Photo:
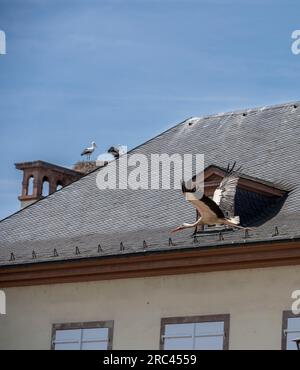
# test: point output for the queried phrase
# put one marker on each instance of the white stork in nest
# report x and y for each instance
(89, 151)
(220, 209)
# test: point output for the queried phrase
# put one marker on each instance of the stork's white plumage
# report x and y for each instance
(219, 210)
(89, 151)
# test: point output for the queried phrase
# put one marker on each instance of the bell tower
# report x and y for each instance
(41, 179)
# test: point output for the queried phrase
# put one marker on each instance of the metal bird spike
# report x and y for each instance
(100, 248)
(55, 254)
(221, 237)
(77, 251)
(33, 255)
(12, 257)
(276, 231)
(171, 244)
(122, 248)
(145, 246)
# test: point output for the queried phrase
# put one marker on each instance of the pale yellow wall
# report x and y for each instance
(255, 300)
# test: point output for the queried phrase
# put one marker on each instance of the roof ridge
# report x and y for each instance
(246, 110)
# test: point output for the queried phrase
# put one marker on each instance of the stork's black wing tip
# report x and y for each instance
(185, 189)
(231, 169)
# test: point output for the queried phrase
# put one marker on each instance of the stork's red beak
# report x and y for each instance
(179, 228)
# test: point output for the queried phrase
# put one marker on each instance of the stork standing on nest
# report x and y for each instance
(89, 151)
(220, 209)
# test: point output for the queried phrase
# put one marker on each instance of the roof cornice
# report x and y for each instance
(171, 262)
(42, 164)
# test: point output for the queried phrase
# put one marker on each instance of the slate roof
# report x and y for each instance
(265, 141)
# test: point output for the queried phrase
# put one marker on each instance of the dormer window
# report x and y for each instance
(256, 200)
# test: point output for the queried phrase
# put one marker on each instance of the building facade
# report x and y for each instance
(91, 269)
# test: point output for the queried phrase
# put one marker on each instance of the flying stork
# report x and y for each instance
(220, 209)
(89, 151)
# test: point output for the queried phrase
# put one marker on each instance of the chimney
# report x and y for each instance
(37, 174)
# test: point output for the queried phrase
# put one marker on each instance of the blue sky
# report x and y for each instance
(121, 71)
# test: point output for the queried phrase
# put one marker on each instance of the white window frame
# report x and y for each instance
(83, 326)
(285, 331)
(196, 320)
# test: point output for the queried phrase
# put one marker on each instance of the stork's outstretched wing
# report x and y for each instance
(204, 205)
(86, 151)
(224, 195)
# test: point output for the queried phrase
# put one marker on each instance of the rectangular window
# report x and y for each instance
(290, 330)
(83, 336)
(195, 333)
